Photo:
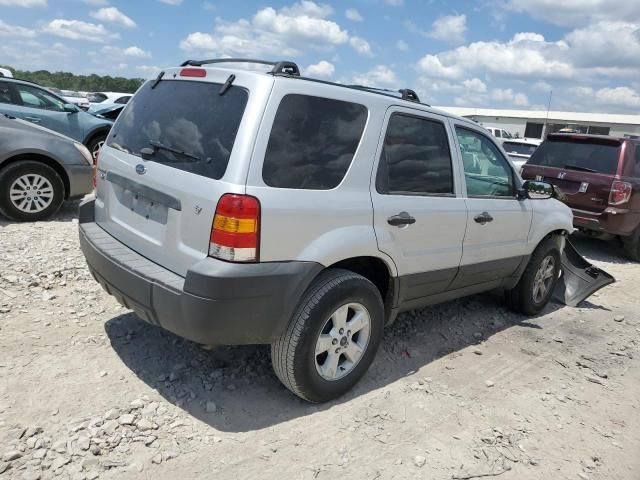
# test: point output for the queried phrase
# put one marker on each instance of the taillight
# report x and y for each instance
(193, 72)
(620, 193)
(94, 173)
(235, 234)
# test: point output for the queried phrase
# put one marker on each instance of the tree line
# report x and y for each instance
(82, 83)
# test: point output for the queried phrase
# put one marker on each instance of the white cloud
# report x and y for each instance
(450, 28)
(113, 15)
(118, 53)
(402, 45)
(78, 30)
(624, 97)
(381, 75)
(24, 3)
(320, 69)
(96, 3)
(606, 44)
(136, 52)
(508, 96)
(288, 31)
(353, 14)
(149, 71)
(394, 3)
(475, 85)
(14, 31)
(576, 12)
(172, 2)
(361, 46)
(525, 55)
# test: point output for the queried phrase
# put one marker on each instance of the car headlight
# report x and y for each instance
(84, 152)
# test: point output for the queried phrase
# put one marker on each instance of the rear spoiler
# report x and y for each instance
(579, 279)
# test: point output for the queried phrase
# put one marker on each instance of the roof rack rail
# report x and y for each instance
(406, 93)
(279, 68)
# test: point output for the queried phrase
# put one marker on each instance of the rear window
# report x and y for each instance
(188, 117)
(578, 155)
(312, 142)
(519, 148)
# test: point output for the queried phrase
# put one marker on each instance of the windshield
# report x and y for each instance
(519, 148)
(186, 124)
(589, 155)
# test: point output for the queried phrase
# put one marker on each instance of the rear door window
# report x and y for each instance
(187, 124)
(312, 143)
(581, 155)
(416, 158)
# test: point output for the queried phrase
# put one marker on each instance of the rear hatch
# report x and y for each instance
(196, 140)
(583, 167)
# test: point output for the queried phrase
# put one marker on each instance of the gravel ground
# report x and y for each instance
(458, 391)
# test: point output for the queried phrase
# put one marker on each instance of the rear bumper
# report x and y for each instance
(79, 180)
(216, 303)
(616, 221)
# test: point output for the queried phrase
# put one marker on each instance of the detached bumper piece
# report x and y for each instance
(579, 278)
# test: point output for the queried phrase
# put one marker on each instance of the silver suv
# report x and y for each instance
(244, 207)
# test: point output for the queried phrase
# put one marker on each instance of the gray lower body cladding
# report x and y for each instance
(216, 303)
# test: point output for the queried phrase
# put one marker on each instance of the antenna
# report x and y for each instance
(546, 120)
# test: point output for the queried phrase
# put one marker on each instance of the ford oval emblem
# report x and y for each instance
(141, 169)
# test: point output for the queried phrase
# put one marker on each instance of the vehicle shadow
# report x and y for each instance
(247, 393)
(608, 251)
(67, 212)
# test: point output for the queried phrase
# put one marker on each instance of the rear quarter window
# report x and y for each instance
(312, 142)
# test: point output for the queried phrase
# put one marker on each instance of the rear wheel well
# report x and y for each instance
(99, 132)
(373, 269)
(36, 157)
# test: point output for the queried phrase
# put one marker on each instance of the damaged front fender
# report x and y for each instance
(579, 279)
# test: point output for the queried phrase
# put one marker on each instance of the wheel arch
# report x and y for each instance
(44, 159)
(101, 130)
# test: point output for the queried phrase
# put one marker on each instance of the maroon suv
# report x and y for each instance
(600, 177)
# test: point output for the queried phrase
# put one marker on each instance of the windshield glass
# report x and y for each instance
(187, 124)
(595, 156)
(519, 148)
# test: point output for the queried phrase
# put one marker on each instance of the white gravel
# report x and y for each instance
(87, 390)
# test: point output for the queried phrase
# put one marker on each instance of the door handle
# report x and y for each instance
(401, 219)
(33, 119)
(483, 218)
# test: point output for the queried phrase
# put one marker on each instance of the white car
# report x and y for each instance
(499, 132)
(100, 100)
(520, 149)
(5, 73)
(76, 98)
(242, 207)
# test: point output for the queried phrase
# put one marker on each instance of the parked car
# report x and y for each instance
(520, 150)
(600, 177)
(111, 111)
(39, 169)
(35, 104)
(238, 207)
(100, 100)
(76, 98)
(499, 132)
(5, 72)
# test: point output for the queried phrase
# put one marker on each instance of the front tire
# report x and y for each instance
(95, 144)
(332, 337)
(30, 191)
(534, 290)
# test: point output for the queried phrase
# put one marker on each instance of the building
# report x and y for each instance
(536, 123)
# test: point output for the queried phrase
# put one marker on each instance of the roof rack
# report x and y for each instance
(279, 68)
(406, 93)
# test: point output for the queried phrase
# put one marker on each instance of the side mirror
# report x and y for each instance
(538, 190)
(70, 108)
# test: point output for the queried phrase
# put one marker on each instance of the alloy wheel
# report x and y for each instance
(31, 193)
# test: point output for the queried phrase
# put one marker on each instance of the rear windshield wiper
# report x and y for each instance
(161, 146)
(580, 169)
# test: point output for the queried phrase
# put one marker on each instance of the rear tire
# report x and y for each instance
(30, 191)
(632, 246)
(332, 337)
(534, 290)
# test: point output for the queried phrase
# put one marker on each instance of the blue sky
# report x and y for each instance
(481, 53)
